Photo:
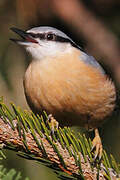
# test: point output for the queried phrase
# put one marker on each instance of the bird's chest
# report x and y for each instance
(56, 84)
(53, 84)
(67, 88)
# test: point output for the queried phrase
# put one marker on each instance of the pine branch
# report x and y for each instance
(29, 134)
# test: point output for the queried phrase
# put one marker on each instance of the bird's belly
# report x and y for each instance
(70, 95)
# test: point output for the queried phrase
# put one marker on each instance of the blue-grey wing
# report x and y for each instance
(91, 61)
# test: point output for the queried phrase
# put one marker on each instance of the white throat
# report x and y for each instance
(48, 49)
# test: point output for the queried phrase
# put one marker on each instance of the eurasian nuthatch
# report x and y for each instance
(65, 81)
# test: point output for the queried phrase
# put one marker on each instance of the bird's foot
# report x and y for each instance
(53, 123)
(97, 145)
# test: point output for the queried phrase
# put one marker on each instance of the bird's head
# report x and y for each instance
(44, 41)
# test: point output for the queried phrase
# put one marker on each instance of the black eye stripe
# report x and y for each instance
(33, 35)
(41, 36)
(38, 35)
(44, 36)
(62, 39)
(65, 40)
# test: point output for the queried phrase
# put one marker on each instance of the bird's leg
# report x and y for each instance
(53, 123)
(97, 145)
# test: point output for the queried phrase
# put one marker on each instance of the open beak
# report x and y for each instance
(26, 38)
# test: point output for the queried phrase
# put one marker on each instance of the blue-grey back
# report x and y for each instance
(91, 61)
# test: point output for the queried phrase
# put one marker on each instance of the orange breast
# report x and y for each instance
(74, 92)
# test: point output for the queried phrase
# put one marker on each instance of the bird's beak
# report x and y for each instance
(26, 37)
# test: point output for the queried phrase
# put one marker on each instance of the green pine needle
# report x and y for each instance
(28, 122)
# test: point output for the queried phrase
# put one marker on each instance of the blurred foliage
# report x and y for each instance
(11, 174)
(13, 61)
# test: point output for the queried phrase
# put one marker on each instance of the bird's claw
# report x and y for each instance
(97, 146)
(53, 123)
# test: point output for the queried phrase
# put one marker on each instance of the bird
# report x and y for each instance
(65, 81)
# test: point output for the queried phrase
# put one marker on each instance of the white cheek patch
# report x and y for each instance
(34, 51)
(47, 49)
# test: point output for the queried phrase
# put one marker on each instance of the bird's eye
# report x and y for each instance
(50, 36)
